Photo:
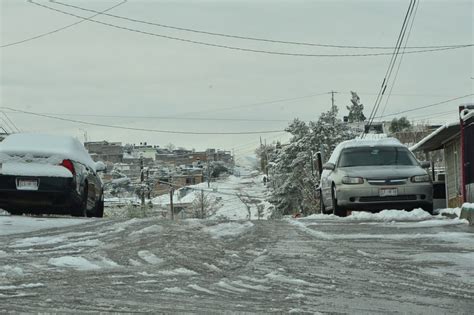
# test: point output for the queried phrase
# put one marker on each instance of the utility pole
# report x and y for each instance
(171, 198)
(202, 203)
(266, 159)
(148, 183)
(142, 179)
(333, 106)
(208, 170)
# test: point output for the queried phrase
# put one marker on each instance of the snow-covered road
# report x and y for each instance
(370, 264)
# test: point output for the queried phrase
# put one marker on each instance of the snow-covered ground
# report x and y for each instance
(370, 263)
(410, 262)
(232, 198)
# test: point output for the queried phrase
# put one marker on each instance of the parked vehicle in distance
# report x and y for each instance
(366, 174)
(46, 174)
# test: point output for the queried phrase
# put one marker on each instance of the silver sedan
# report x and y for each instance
(374, 175)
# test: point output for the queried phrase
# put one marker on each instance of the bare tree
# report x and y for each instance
(203, 206)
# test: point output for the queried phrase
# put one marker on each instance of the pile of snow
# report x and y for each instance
(468, 205)
(78, 263)
(149, 257)
(392, 215)
(383, 216)
(81, 263)
(229, 229)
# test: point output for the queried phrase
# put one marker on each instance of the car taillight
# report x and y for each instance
(69, 165)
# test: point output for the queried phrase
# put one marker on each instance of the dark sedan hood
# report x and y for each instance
(382, 172)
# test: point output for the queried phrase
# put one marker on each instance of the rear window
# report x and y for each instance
(376, 156)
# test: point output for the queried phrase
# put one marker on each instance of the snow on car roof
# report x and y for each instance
(370, 142)
(365, 142)
(47, 145)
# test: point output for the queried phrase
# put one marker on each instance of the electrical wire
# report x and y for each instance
(236, 48)
(61, 28)
(391, 64)
(144, 129)
(425, 106)
(401, 59)
(165, 117)
(249, 37)
(15, 127)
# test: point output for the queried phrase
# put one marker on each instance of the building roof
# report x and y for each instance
(435, 140)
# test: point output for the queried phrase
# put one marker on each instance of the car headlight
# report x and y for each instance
(352, 180)
(420, 179)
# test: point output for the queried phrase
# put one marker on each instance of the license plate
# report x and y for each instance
(27, 184)
(386, 192)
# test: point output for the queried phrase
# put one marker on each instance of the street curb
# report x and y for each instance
(468, 214)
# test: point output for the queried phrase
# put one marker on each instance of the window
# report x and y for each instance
(376, 156)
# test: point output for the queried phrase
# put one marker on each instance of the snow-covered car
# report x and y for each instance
(49, 174)
(372, 175)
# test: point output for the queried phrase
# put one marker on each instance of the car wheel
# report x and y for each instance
(428, 208)
(81, 209)
(336, 210)
(99, 209)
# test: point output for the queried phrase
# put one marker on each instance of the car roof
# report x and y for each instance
(354, 143)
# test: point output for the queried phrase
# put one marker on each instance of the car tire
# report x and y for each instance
(99, 209)
(81, 209)
(337, 210)
(428, 208)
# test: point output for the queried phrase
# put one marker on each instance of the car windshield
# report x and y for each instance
(374, 156)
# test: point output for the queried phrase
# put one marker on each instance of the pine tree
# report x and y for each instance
(356, 110)
(294, 179)
(400, 124)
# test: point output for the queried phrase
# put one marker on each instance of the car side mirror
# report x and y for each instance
(329, 166)
(425, 164)
(100, 166)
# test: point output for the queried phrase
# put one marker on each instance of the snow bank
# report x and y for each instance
(229, 229)
(468, 205)
(391, 215)
(384, 216)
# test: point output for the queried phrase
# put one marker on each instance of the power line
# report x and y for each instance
(61, 28)
(166, 117)
(426, 106)
(270, 52)
(391, 64)
(144, 129)
(179, 28)
(401, 59)
(11, 123)
(282, 100)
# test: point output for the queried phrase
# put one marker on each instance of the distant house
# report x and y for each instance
(105, 151)
(458, 144)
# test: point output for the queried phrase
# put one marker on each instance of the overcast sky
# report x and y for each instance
(92, 69)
